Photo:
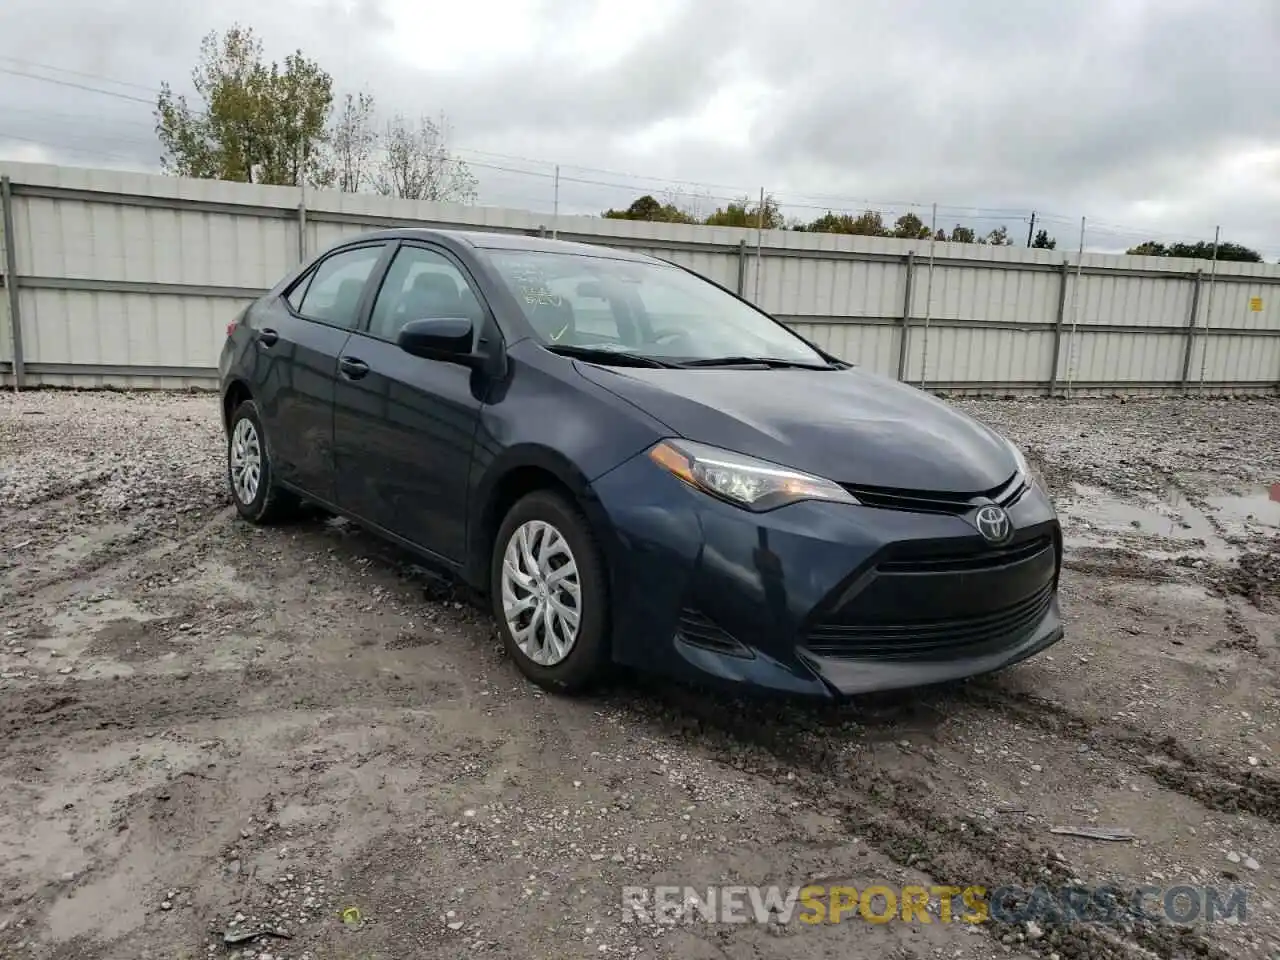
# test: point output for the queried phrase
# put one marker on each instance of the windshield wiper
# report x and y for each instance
(618, 358)
(776, 363)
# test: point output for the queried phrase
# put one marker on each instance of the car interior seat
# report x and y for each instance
(432, 296)
(346, 301)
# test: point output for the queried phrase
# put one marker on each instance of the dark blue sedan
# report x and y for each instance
(638, 467)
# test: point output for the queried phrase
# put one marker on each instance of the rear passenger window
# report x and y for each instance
(333, 295)
(422, 284)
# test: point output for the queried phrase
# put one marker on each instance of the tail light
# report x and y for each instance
(235, 321)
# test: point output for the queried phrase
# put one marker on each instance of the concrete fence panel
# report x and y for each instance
(128, 279)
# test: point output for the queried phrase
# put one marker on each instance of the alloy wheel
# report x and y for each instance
(246, 461)
(541, 592)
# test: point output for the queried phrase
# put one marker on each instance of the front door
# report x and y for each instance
(298, 339)
(404, 426)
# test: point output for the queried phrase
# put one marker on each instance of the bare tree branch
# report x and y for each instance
(353, 142)
(417, 165)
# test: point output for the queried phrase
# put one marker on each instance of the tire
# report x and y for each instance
(544, 516)
(246, 440)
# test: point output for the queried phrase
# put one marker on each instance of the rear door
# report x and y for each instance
(298, 339)
(404, 426)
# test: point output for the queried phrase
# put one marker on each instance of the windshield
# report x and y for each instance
(645, 309)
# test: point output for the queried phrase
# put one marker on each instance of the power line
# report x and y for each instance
(739, 195)
(738, 192)
(78, 86)
(786, 201)
(79, 73)
(80, 136)
(70, 149)
(77, 117)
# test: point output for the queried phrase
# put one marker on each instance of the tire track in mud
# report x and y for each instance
(1211, 783)
(116, 555)
(900, 817)
(159, 701)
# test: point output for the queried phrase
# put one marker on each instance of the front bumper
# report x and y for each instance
(819, 599)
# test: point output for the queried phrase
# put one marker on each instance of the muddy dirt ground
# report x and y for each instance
(209, 728)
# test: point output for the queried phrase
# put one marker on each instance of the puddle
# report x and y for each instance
(1259, 509)
(1094, 517)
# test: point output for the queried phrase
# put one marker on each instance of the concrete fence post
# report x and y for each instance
(302, 232)
(1057, 326)
(742, 266)
(1189, 342)
(11, 279)
(904, 327)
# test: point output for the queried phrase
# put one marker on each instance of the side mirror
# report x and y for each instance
(439, 338)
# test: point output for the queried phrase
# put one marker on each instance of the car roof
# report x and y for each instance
(494, 240)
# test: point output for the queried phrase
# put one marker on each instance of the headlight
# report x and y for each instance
(1024, 467)
(741, 480)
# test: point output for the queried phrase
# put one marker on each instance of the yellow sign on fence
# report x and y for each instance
(1255, 304)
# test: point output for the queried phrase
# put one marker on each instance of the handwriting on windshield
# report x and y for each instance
(540, 296)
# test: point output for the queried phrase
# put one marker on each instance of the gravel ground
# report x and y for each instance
(210, 729)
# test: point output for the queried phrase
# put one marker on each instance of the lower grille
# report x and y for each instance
(930, 639)
(698, 630)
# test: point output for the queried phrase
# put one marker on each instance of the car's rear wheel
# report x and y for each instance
(249, 473)
(549, 593)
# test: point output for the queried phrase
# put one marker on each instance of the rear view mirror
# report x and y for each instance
(439, 338)
(592, 289)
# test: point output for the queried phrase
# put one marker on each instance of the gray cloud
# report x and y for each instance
(1129, 112)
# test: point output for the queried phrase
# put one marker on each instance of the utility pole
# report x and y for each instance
(759, 242)
(1031, 229)
(555, 215)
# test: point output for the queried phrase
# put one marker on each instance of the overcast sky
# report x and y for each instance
(1150, 118)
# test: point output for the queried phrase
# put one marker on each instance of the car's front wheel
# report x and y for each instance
(549, 593)
(249, 474)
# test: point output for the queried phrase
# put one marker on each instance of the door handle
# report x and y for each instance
(352, 368)
(267, 337)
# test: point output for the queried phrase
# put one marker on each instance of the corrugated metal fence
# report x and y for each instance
(125, 279)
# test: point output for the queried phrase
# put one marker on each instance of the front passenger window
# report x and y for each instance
(333, 295)
(422, 284)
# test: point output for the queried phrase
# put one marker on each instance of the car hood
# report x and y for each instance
(850, 426)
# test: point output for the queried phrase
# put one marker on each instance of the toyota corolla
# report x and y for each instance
(638, 468)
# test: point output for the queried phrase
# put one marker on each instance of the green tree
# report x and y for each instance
(1149, 248)
(963, 235)
(256, 122)
(869, 223)
(1202, 250)
(999, 237)
(1043, 241)
(650, 209)
(829, 223)
(742, 214)
(910, 227)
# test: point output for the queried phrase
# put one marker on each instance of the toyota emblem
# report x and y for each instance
(993, 523)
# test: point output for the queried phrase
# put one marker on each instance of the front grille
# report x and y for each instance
(930, 639)
(989, 558)
(924, 501)
(697, 629)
